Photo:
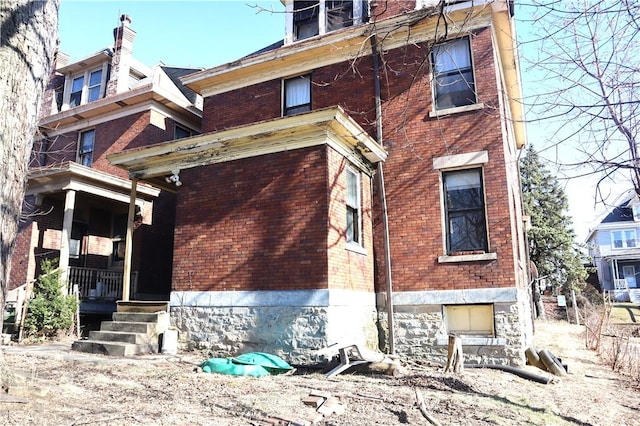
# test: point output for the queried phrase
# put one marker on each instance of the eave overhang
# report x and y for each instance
(76, 177)
(505, 35)
(337, 46)
(354, 42)
(147, 94)
(631, 255)
(330, 126)
(90, 61)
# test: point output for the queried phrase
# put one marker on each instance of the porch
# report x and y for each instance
(99, 289)
(622, 292)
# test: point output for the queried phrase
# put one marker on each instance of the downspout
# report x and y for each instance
(383, 198)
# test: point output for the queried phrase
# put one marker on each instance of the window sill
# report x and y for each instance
(468, 258)
(456, 110)
(475, 341)
(355, 248)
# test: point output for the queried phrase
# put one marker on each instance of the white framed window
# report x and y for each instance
(297, 95)
(308, 18)
(353, 203)
(624, 238)
(75, 97)
(469, 320)
(453, 78)
(87, 86)
(86, 144)
(465, 216)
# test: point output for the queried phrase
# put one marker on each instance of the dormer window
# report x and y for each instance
(316, 17)
(84, 87)
(305, 19)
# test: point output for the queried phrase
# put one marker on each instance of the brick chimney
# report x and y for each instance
(122, 53)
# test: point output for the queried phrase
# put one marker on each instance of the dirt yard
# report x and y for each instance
(68, 388)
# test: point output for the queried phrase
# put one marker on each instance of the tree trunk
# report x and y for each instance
(28, 41)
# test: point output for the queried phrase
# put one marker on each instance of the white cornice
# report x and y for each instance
(112, 107)
(335, 47)
(331, 126)
(74, 176)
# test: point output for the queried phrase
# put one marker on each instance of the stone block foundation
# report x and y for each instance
(291, 324)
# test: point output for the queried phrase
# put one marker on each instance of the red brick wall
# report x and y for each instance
(248, 105)
(413, 186)
(382, 9)
(253, 224)
(413, 140)
(348, 269)
(113, 136)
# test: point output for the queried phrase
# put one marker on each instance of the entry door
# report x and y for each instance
(629, 273)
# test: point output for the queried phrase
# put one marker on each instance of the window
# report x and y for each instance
(85, 147)
(314, 17)
(78, 231)
(465, 211)
(94, 88)
(297, 95)
(469, 320)
(453, 82)
(624, 238)
(75, 98)
(86, 87)
(354, 219)
(339, 14)
(181, 132)
(305, 19)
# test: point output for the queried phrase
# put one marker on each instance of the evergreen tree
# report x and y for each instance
(551, 237)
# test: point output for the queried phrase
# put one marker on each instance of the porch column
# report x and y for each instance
(128, 248)
(67, 224)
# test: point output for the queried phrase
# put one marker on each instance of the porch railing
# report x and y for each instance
(96, 283)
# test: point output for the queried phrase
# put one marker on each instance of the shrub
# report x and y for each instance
(49, 310)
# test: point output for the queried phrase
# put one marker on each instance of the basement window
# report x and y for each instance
(469, 320)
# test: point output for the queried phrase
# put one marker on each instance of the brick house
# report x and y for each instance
(77, 203)
(356, 182)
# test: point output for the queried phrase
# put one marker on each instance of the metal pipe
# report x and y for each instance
(383, 198)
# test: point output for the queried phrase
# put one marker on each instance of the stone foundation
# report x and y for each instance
(420, 329)
(296, 324)
(290, 324)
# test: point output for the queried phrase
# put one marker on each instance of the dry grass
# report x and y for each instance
(162, 390)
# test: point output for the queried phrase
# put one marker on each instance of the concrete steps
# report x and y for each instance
(130, 333)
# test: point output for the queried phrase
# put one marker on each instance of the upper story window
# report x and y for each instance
(453, 79)
(625, 238)
(312, 17)
(85, 87)
(297, 95)
(354, 209)
(85, 147)
(465, 211)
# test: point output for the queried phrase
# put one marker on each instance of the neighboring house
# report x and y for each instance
(77, 203)
(614, 248)
(357, 182)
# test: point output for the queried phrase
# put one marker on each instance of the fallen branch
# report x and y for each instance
(423, 409)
